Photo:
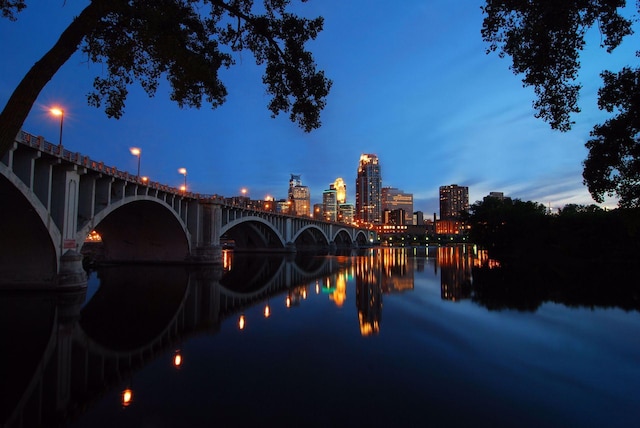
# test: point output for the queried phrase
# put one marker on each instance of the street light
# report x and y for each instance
(58, 112)
(137, 152)
(183, 171)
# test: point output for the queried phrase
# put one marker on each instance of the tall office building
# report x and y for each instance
(368, 190)
(341, 190)
(394, 199)
(453, 200)
(299, 197)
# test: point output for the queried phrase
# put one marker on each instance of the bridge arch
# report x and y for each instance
(259, 233)
(310, 235)
(139, 229)
(29, 231)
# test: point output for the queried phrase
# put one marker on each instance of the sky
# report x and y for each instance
(412, 83)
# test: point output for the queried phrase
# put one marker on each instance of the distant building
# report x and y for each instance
(299, 196)
(418, 218)
(494, 195)
(368, 190)
(454, 199)
(395, 199)
(396, 217)
(318, 211)
(346, 213)
(283, 206)
(330, 204)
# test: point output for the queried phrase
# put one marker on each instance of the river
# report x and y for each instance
(380, 337)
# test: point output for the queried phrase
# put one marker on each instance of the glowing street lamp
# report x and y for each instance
(56, 111)
(183, 171)
(137, 152)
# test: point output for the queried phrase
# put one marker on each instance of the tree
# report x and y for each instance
(184, 41)
(544, 38)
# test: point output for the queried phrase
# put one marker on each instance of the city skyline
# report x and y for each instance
(421, 94)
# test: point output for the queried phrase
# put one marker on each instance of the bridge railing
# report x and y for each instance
(38, 142)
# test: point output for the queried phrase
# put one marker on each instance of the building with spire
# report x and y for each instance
(299, 197)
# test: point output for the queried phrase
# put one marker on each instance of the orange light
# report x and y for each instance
(127, 397)
(135, 151)
(145, 179)
(267, 311)
(182, 171)
(56, 111)
(177, 360)
(241, 322)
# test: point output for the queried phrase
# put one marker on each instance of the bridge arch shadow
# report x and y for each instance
(253, 234)
(33, 256)
(139, 230)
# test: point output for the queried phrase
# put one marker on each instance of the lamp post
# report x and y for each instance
(137, 152)
(183, 171)
(56, 111)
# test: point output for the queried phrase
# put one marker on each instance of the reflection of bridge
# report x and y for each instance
(58, 197)
(65, 357)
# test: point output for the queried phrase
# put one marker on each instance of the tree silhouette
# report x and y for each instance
(187, 42)
(544, 39)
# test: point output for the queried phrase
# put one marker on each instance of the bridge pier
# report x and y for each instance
(71, 273)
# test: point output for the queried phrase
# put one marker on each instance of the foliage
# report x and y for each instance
(544, 38)
(9, 8)
(613, 164)
(186, 42)
(584, 256)
(505, 227)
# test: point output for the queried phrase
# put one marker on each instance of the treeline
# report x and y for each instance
(513, 229)
(582, 256)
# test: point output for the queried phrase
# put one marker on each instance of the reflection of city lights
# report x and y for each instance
(288, 302)
(267, 311)
(241, 322)
(127, 397)
(177, 359)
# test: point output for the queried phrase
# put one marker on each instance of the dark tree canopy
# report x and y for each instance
(186, 42)
(544, 39)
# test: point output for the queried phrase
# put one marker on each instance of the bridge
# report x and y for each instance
(54, 198)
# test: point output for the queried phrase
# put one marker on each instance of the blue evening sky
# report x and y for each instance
(411, 83)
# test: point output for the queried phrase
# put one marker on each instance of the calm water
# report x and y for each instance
(386, 337)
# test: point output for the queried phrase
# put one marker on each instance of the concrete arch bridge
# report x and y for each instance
(53, 198)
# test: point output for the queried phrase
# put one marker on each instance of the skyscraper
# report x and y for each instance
(395, 199)
(453, 200)
(341, 190)
(299, 197)
(368, 188)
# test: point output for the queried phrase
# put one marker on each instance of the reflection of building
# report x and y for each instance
(394, 200)
(339, 295)
(397, 270)
(455, 272)
(368, 190)
(368, 296)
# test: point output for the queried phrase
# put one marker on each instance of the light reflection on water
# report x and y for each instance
(387, 337)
